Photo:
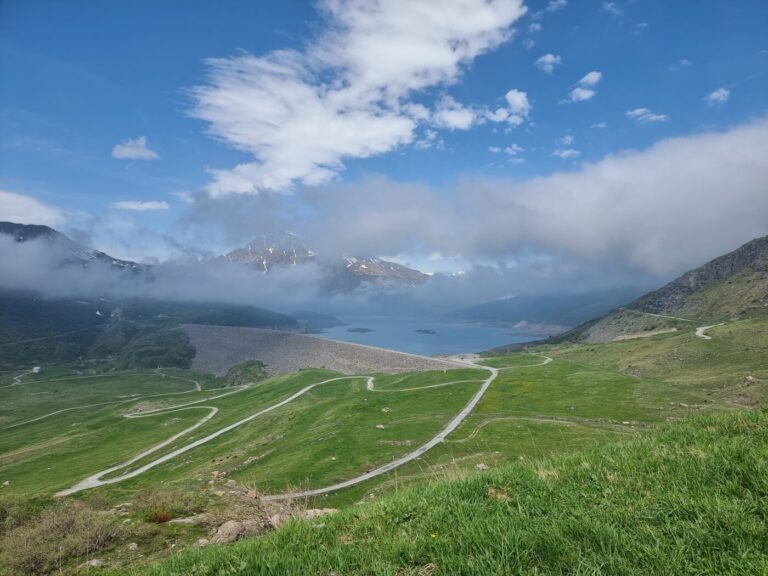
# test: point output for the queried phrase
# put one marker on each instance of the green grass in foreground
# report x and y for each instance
(690, 498)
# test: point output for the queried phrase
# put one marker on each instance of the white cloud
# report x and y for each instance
(301, 114)
(548, 62)
(140, 205)
(529, 43)
(599, 125)
(579, 94)
(517, 110)
(430, 139)
(494, 149)
(555, 5)
(718, 97)
(585, 88)
(535, 27)
(591, 78)
(624, 210)
(23, 209)
(646, 116)
(452, 115)
(567, 153)
(566, 140)
(514, 149)
(134, 149)
(519, 106)
(612, 8)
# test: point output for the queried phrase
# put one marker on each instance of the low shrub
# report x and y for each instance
(65, 533)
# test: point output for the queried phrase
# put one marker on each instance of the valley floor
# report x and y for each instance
(313, 429)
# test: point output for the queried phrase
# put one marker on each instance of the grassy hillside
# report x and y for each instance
(688, 499)
(66, 423)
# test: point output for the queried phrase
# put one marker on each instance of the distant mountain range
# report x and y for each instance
(268, 252)
(69, 251)
(265, 253)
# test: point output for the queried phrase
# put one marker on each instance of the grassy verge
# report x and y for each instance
(689, 498)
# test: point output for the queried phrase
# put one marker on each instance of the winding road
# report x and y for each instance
(97, 479)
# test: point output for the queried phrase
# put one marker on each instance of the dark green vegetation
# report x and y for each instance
(688, 499)
(126, 334)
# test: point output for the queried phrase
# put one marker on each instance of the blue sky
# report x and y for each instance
(107, 107)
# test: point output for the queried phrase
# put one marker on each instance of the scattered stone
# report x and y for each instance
(315, 513)
(133, 546)
(386, 410)
(7, 483)
(333, 457)
(481, 466)
(202, 542)
(231, 482)
(228, 532)
(95, 563)
(190, 520)
(380, 426)
(219, 492)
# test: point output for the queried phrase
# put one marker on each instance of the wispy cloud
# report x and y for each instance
(134, 149)
(718, 97)
(680, 64)
(566, 153)
(612, 8)
(555, 5)
(301, 114)
(140, 205)
(646, 116)
(599, 125)
(24, 209)
(548, 62)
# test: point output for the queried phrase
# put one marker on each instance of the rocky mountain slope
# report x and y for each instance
(67, 251)
(731, 286)
(272, 251)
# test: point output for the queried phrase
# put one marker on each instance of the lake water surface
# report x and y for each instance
(450, 337)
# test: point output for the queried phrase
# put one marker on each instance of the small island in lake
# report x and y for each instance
(360, 330)
(425, 331)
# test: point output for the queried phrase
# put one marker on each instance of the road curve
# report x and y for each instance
(701, 331)
(95, 480)
(452, 425)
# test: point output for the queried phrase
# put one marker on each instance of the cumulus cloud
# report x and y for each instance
(548, 62)
(452, 115)
(301, 114)
(585, 88)
(599, 125)
(535, 27)
(622, 211)
(718, 97)
(140, 205)
(23, 209)
(517, 110)
(134, 149)
(612, 8)
(646, 116)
